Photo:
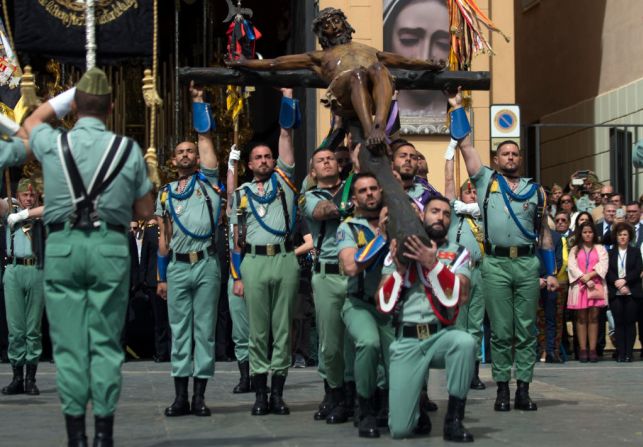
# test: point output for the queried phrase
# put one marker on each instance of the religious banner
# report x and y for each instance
(56, 28)
(419, 29)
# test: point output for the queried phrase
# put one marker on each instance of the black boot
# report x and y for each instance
(337, 413)
(453, 428)
(324, 405)
(424, 423)
(502, 397)
(76, 436)
(17, 384)
(30, 380)
(277, 404)
(261, 406)
(350, 394)
(103, 431)
(523, 401)
(180, 406)
(367, 425)
(244, 385)
(476, 383)
(427, 404)
(199, 408)
(382, 407)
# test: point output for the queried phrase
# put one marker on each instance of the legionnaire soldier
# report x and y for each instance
(23, 286)
(466, 229)
(405, 163)
(360, 245)
(514, 227)
(423, 298)
(268, 278)
(237, 305)
(188, 211)
(93, 179)
(321, 208)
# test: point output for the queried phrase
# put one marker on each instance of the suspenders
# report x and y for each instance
(85, 215)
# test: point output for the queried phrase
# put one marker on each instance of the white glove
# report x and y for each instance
(471, 209)
(234, 157)
(62, 102)
(8, 126)
(18, 217)
(450, 152)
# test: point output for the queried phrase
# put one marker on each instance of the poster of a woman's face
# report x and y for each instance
(419, 29)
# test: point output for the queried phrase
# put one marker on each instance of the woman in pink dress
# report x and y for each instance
(587, 266)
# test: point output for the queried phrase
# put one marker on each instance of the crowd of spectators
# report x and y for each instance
(598, 239)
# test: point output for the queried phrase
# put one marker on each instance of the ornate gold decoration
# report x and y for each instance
(72, 13)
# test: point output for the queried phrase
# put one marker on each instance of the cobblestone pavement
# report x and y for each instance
(579, 405)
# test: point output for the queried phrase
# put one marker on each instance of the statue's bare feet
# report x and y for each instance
(376, 140)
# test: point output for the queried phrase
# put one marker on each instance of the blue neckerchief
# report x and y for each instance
(506, 190)
(184, 195)
(269, 198)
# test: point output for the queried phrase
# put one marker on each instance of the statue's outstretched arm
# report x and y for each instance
(394, 60)
(288, 62)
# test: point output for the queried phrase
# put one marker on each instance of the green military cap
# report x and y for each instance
(26, 184)
(94, 82)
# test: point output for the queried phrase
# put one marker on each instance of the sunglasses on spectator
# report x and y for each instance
(561, 220)
(605, 195)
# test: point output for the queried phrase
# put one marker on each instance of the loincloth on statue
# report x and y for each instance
(330, 98)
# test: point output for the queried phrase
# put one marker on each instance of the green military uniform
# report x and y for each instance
(24, 298)
(270, 271)
(510, 274)
(371, 331)
(468, 232)
(87, 272)
(412, 356)
(193, 274)
(329, 287)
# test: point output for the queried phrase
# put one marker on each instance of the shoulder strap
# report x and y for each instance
(213, 223)
(457, 237)
(241, 220)
(287, 180)
(487, 244)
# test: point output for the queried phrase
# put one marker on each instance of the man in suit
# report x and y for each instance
(143, 248)
(604, 225)
(633, 217)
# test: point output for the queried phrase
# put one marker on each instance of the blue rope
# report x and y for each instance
(185, 195)
(268, 198)
(504, 190)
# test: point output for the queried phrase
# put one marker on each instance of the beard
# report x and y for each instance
(436, 231)
(406, 176)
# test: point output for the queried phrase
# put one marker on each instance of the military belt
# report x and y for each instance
(193, 257)
(270, 249)
(327, 268)
(21, 261)
(509, 252)
(113, 227)
(421, 331)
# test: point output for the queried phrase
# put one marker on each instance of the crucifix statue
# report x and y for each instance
(360, 89)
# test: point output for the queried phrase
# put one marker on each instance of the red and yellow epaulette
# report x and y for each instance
(285, 178)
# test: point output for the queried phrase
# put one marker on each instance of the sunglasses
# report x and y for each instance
(605, 195)
(561, 220)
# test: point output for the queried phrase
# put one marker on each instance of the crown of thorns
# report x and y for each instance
(326, 14)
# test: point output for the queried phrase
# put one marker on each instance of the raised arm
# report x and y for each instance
(449, 179)
(207, 154)
(286, 150)
(289, 62)
(471, 157)
(394, 60)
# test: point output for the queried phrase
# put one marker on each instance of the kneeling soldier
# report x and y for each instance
(423, 297)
